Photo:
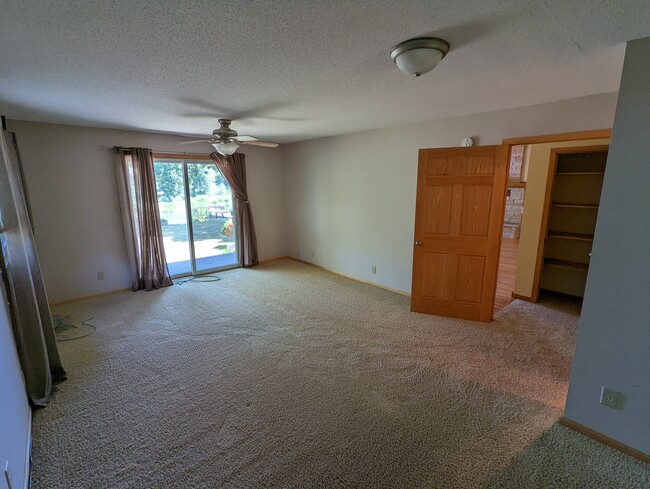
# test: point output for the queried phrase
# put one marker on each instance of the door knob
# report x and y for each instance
(418, 243)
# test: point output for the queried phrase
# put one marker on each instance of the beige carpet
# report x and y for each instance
(288, 376)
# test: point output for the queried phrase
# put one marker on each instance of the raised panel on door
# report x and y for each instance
(475, 211)
(438, 197)
(459, 205)
(479, 165)
(469, 278)
(440, 166)
(434, 264)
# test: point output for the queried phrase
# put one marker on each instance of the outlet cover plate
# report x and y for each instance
(611, 398)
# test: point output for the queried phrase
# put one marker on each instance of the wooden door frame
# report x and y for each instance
(550, 183)
(542, 139)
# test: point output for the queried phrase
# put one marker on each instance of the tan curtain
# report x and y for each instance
(23, 281)
(139, 202)
(233, 169)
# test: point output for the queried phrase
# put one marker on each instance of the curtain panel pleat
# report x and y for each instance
(233, 169)
(142, 228)
(23, 281)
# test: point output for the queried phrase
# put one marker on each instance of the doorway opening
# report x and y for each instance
(571, 208)
(197, 216)
(545, 251)
(514, 209)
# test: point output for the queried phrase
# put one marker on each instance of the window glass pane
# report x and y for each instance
(212, 217)
(173, 216)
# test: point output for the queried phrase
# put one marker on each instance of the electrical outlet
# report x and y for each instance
(373, 270)
(611, 398)
(313, 253)
(100, 275)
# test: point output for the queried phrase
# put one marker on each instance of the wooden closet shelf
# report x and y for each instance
(578, 236)
(572, 265)
(576, 206)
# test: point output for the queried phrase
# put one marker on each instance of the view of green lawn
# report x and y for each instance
(210, 207)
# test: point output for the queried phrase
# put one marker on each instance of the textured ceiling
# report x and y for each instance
(293, 70)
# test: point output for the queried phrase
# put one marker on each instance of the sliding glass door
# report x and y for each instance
(172, 204)
(196, 212)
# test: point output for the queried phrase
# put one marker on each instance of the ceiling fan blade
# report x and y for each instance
(197, 141)
(265, 144)
(211, 115)
(246, 138)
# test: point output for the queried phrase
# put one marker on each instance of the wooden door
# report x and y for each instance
(459, 212)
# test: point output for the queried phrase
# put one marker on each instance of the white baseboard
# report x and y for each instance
(351, 277)
(28, 452)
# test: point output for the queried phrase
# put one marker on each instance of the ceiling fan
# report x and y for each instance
(226, 140)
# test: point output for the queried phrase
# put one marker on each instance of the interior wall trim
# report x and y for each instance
(111, 292)
(271, 260)
(262, 262)
(351, 277)
(522, 297)
(28, 452)
(560, 137)
(610, 442)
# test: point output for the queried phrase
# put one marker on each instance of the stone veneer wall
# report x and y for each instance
(514, 205)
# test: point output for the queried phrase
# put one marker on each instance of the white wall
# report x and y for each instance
(73, 193)
(614, 337)
(351, 199)
(14, 409)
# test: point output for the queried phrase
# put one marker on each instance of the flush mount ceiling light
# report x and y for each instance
(419, 55)
(226, 148)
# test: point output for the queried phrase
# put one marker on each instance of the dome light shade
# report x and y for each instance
(420, 55)
(227, 148)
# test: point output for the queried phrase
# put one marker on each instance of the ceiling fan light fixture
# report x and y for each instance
(226, 148)
(419, 55)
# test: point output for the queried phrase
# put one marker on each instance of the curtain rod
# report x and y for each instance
(185, 153)
(180, 153)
